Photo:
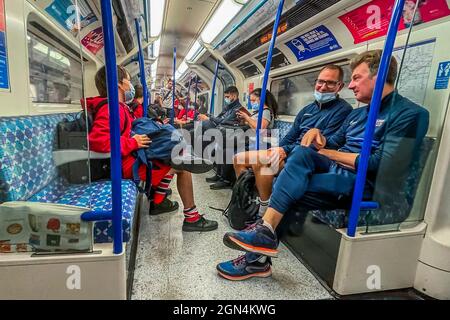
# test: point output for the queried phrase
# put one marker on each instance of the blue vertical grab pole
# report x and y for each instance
(211, 108)
(188, 99)
(142, 67)
(196, 88)
(372, 118)
(173, 85)
(195, 96)
(114, 123)
(267, 70)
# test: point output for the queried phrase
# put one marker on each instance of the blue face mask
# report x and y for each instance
(324, 97)
(227, 101)
(255, 105)
(129, 95)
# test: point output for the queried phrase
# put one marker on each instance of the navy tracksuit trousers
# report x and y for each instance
(311, 180)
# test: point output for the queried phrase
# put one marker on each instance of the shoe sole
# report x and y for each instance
(234, 243)
(187, 229)
(221, 188)
(265, 274)
(177, 206)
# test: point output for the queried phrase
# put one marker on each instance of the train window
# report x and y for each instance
(249, 69)
(224, 75)
(55, 75)
(203, 101)
(295, 92)
(278, 59)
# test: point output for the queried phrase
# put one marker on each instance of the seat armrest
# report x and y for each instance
(61, 157)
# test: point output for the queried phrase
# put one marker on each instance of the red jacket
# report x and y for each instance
(138, 110)
(99, 137)
(182, 114)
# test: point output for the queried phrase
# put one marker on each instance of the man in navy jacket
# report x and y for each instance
(327, 113)
(400, 128)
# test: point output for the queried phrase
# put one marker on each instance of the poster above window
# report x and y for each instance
(4, 72)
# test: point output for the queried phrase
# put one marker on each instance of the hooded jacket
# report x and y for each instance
(99, 136)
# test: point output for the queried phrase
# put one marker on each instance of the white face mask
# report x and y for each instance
(324, 97)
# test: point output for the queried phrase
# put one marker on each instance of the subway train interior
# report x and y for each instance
(332, 186)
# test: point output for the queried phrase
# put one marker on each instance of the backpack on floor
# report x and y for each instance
(243, 207)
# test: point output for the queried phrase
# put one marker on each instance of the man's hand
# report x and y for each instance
(313, 136)
(142, 140)
(202, 117)
(276, 155)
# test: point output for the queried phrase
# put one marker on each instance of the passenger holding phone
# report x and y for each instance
(269, 114)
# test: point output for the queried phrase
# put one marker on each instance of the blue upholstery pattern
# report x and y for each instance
(96, 196)
(28, 172)
(396, 207)
(395, 210)
(283, 128)
(26, 160)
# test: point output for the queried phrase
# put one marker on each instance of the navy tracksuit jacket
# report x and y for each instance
(327, 117)
(400, 129)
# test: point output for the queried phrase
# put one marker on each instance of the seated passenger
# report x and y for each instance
(184, 117)
(99, 139)
(156, 111)
(135, 107)
(225, 171)
(399, 121)
(326, 113)
(228, 116)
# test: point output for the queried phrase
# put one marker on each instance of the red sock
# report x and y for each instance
(160, 190)
(191, 215)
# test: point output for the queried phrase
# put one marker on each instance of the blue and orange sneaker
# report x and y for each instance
(255, 238)
(245, 267)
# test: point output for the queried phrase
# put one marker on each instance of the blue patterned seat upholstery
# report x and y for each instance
(26, 159)
(96, 196)
(28, 172)
(395, 210)
(283, 127)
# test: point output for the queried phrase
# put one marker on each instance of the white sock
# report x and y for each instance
(263, 205)
(268, 226)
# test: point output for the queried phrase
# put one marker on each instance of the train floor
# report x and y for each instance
(172, 264)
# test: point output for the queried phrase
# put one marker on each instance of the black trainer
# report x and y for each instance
(213, 179)
(165, 206)
(221, 184)
(201, 225)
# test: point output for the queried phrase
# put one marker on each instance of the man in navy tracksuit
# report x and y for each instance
(326, 113)
(400, 123)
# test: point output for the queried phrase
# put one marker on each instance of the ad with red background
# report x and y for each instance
(364, 24)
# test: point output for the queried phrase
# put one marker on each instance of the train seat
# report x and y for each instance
(395, 210)
(28, 173)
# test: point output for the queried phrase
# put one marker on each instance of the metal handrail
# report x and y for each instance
(375, 104)
(172, 120)
(211, 108)
(114, 123)
(267, 70)
(142, 67)
(244, 20)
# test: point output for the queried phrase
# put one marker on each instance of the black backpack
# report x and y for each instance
(72, 135)
(243, 207)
